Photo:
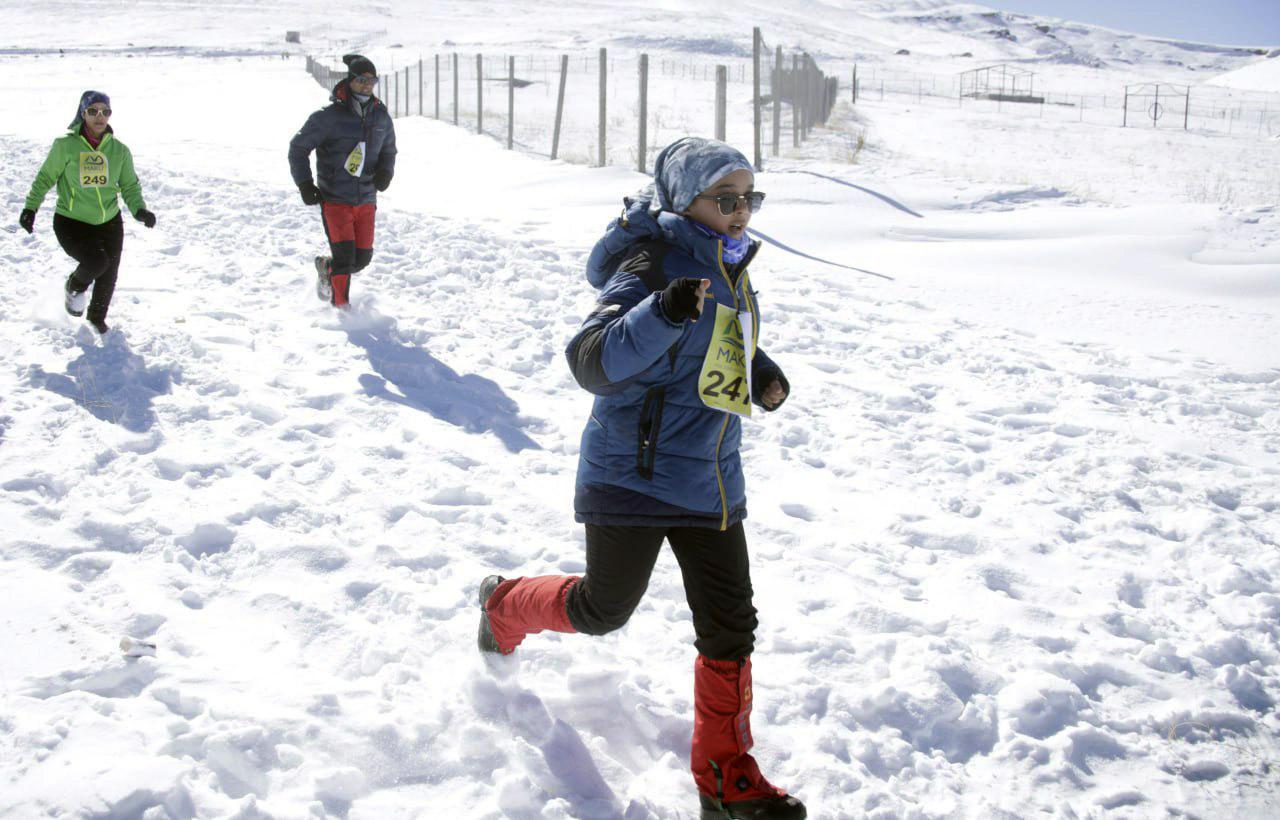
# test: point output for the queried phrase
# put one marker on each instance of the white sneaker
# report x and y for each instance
(76, 301)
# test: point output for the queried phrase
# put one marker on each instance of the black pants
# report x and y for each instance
(717, 583)
(97, 249)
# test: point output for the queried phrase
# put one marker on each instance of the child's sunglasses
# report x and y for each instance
(93, 111)
(728, 203)
(364, 78)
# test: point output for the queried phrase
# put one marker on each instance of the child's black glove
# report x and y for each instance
(310, 193)
(682, 299)
(145, 217)
(382, 179)
(27, 220)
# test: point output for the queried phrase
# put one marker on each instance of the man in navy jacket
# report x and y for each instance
(355, 145)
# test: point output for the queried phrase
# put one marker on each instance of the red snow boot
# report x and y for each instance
(522, 606)
(729, 782)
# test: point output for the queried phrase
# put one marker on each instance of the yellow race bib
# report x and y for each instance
(94, 170)
(355, 160)
(725, 383)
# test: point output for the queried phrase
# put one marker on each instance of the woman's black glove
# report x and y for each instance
(145, 217)
(382, 179)
(310, 193)
(682, 299)
(27, 220)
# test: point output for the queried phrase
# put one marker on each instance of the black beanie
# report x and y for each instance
(358, 64)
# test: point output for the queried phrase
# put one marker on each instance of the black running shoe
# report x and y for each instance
(764, 808)
(324, 288)
(485, 639)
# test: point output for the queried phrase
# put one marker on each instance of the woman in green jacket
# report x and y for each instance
(90, 167)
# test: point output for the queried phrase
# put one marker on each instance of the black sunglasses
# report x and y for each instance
(93, 112)
(728, 203)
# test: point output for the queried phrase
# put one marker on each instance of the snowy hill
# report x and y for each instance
(1014, 537)
(1260, 75)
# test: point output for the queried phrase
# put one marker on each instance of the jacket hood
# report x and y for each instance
(642, 220)
(341, 94)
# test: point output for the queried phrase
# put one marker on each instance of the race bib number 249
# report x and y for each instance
(94, 171)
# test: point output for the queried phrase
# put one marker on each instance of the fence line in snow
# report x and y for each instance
(624, 108)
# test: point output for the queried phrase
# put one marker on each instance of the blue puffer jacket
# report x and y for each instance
(333, 132)
(652, 453)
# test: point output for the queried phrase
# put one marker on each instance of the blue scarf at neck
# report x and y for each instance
(735, 250)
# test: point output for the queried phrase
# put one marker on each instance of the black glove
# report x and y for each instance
(145, 217)
(760, 382)
(27, 220)
(382, 179)
(310, 193)
(680, 300)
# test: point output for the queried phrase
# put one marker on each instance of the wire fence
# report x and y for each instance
(1200, 108)
(597, 109)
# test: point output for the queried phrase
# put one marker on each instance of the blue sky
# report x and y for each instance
(1226, 22)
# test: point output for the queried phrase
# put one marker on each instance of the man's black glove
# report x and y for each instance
(680, 300)
(27, 220)
(145, 217)
(382, 179)
(310, 193)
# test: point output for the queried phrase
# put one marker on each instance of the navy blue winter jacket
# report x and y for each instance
(652, 453)
(333, 132)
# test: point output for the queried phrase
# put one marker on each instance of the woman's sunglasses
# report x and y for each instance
(95, 112)
(728, 203)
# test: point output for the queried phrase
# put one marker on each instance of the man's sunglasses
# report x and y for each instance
(728, 203)
(94, 112)
(360, 78)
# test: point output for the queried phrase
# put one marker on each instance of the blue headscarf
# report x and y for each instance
(87, 99)
(689, 166)
(683, 169)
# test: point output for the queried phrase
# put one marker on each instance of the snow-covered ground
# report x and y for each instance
(1016, 536)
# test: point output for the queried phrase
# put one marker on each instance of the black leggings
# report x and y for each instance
(97, 249)
(717, 583)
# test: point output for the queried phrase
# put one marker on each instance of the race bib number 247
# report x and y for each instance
(725, 382)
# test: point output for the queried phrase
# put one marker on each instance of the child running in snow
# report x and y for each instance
(670, 353)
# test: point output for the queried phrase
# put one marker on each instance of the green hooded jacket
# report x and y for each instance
(88, 180)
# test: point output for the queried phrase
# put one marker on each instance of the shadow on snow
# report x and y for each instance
(111, 382)
(472, 402)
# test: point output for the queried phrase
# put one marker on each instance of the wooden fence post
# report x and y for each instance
(644, 113)
(797, 101)
(604, 109)
(757, 40)
(776, 88)
(421, 102)
(722, 99)
(455, 88)
(437, 86)
(564, 73)
(511, 102)
(479, 93)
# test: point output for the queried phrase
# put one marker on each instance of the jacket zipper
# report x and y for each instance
(101, 206)
(724, 503)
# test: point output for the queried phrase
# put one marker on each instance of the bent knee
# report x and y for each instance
(363, 257)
